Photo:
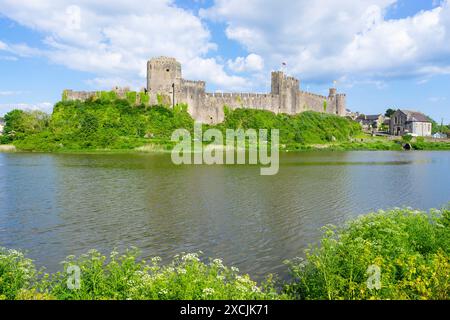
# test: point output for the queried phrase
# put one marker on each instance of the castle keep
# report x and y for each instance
(165, 84)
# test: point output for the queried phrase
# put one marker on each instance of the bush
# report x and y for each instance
(186, 278)
(16, 273)
(305, 128)
(104, 123)
(411, 248)
(125, 277)
(407, 138)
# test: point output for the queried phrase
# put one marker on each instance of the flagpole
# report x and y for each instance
(284, 67)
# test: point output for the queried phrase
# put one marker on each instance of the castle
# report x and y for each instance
(165, 84)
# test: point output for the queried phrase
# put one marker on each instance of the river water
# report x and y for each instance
(54, 205)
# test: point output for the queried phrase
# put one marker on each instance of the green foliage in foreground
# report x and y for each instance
(123, 277)
(410, 248)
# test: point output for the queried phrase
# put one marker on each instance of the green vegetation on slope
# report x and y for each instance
(102, 124)
(106, 123)
(304, 128)
(410, 248)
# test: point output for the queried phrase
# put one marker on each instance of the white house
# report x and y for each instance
(410, 122)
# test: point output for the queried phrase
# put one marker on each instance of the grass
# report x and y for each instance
(411, 250)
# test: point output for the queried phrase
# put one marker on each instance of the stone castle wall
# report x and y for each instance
(165, 83)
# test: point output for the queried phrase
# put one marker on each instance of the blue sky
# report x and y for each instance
(382, 53)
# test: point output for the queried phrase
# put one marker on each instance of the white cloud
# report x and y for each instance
(10, 93)
(8, 58)
(251, 63)
(114, 40)
(326, 40)
(42, 106)
(211, 71)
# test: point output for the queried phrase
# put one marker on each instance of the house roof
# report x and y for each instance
(368, 117)
(415, 116)
(373, 117)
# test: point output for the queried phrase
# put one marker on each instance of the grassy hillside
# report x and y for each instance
(103, 123)
(304, 128)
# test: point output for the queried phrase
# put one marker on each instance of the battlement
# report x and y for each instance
(165, 83)
(313, 95)
(193, 83)
(163, 60)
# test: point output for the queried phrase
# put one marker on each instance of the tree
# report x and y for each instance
(19, 123)
(407, 138)
(389, 112)
(435, 127)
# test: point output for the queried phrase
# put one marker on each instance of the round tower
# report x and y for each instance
(341, 104)
(162, 74)
(332, 92)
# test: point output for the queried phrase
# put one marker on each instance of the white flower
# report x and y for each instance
(156, 260)
(190, 257)
(241, 288)
(255, 289)
(163, 292)
(208, 291)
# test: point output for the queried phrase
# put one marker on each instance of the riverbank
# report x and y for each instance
(410, 249)
(105, 125)
(7, 148)
(362, 144)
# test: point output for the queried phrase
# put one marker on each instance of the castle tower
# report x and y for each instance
(162, 74)
(332, 93)
(286, 88)
(341, 104)
(277, 80)
(338, 102)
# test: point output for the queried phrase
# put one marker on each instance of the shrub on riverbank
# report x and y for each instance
(305, 128)
(105, 124)
(411, 250)
(125, 277)
(16, 273)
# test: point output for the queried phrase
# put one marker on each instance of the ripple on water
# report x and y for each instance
(56, 205)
